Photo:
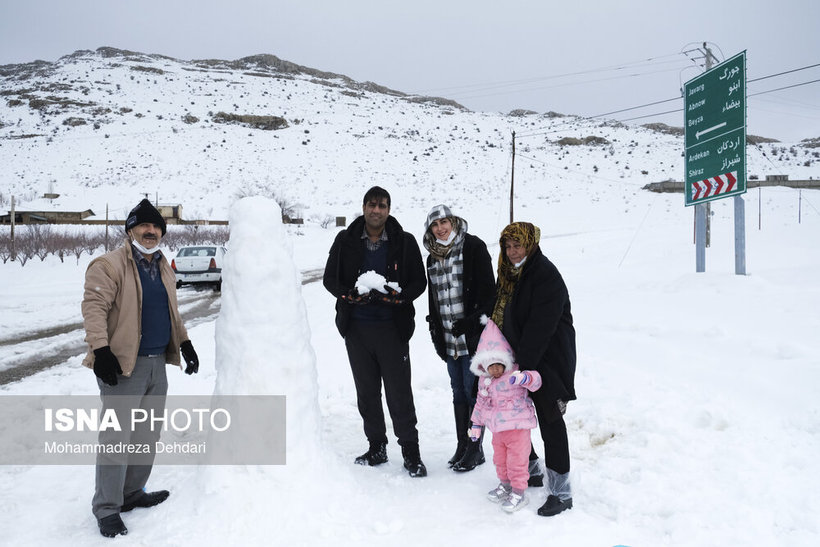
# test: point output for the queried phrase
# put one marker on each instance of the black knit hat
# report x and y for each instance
(144, 212)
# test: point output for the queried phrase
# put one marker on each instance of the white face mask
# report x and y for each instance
(520, 263)
(142, 249)
(449, 239)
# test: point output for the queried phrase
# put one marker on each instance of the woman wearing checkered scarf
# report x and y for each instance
(461, 289)
(532, 308)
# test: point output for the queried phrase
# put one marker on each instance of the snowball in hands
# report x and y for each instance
(371, 280)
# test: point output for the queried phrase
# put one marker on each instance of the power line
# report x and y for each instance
(782, 88)
(651, 115)
(634, 107)
(782, 73)
(490, 85)
(538, 132)
(747, 96)
(676, 98)
(565, 84)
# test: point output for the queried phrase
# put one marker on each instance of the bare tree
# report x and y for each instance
(40, 235)
(96, 239)
(220, 235)
(76, 244)
(173, 239)
(57, 244)
(26, 246)
(5, 246)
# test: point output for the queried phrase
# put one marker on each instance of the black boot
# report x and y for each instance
(147, 499)
(554, 505)
(560, 494)
(412, 460)
(461, 412)
(473, 457)
(112, 526)
(376, 455)
(536, 471)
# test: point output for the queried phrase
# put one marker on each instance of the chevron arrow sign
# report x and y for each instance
(714, 187)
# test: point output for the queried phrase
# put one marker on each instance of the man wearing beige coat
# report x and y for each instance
(133, 329)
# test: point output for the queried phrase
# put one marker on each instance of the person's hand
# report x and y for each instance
(353, 297)
(391, 297)
(106, 365)
(521, 378)
(190, 356)
(437, 338)
(459, 327)
(474, 433)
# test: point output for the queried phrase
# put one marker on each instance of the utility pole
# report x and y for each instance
(106, 227)
(703, 211)
(512, 177)
(709, 57)
(800, 206)
(13, 250)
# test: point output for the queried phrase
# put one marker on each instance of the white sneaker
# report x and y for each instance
(514, 502)
(499, 493)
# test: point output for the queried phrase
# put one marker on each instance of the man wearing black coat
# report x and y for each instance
(377, 323)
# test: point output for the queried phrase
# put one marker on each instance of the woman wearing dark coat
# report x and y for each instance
(461, 290)
(533, 310)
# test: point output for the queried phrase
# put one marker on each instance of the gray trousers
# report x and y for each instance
(121, 476)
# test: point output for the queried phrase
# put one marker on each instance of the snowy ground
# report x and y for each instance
(697, 421)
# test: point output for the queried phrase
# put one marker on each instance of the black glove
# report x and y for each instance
(106, 365)
(460, 327)
(437, 338)
(392, 297)
(353, 297)
(190, 356)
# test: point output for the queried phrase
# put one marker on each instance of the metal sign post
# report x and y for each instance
(715, 143)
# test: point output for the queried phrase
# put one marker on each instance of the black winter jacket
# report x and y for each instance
(538, 326)
(479, 295)
(404, 265)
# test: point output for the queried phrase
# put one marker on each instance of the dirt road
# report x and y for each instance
(27, 354)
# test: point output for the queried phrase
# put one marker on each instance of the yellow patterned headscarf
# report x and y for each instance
(528, 235)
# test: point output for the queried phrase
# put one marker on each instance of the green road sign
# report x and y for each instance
(715, 129)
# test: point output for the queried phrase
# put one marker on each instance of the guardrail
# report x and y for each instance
(677, 186)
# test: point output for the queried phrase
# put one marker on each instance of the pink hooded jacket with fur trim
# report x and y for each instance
(501, 406)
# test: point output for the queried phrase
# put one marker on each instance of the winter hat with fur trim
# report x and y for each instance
(492, 348)
(144, 212)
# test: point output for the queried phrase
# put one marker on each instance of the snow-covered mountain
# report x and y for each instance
(103, 127)
(697, 421)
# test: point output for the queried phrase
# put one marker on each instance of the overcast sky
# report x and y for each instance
(488, 55)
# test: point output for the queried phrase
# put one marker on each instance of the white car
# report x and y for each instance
(199, 264)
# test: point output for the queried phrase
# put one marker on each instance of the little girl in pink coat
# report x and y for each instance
(504, 407)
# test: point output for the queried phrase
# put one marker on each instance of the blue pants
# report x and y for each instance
(462, 380)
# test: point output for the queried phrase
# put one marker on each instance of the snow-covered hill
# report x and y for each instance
(697, 421)
(103, 127)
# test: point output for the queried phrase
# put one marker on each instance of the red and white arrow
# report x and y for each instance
(707, 188)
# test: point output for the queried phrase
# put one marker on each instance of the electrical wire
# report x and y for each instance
(618, 66)
(565, 84)
(538, 132)
(747, 96)
(782, 73)
(782, 88)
